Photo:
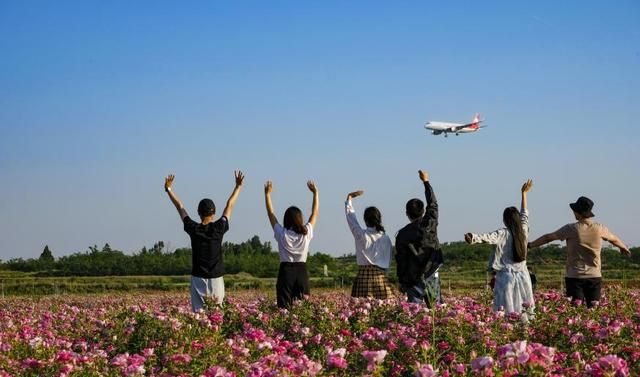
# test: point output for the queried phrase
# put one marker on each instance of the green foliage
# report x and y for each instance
(463, 263)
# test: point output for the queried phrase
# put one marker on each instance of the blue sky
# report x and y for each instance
(100, 100)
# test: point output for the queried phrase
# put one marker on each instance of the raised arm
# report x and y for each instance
(316, 203)
(228, 210)
(525, 189)
(350, 212)
(430, 197)
(168, 188)
(268, 187)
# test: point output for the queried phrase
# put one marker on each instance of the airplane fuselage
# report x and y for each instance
(446, 128)
(438, 128)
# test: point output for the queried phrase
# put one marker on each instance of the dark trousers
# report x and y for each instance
(586, 290)
(293, 283)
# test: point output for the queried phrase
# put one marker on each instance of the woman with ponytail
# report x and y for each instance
(293, 238)
(512, 291)
(373, 252)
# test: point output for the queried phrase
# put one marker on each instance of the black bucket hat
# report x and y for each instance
(583, 207)
(206, 207)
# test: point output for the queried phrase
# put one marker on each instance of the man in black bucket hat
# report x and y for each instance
(584, 244)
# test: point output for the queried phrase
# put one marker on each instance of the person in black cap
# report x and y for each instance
(584, 244)
(206, 243)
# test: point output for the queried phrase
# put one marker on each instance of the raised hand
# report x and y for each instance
(268, 187)
(239, 177)
(355, 194)
(312, 186)
(168, 182)
(526, 187)
(468, 237)
(424, 175)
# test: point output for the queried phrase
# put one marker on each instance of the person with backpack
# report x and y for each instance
(373, 252)
(584, 245)
(418, 252)
(512, 291)
(293, 238)
(207, 267)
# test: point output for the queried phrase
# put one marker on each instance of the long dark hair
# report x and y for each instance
(511, 218)
(293, 220)
(373, 218)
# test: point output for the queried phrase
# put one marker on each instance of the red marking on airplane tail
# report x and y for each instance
(476, 121)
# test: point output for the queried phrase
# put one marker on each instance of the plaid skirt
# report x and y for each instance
(371, 281)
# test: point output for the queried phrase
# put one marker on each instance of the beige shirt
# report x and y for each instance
(584, 243)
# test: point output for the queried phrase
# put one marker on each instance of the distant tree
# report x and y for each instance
(46, 256)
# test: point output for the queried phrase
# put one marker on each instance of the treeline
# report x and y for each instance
(260, 260)
(252, 256)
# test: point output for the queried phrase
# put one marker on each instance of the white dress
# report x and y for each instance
(512, 291)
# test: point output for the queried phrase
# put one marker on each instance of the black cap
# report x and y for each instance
(206, 207)
(583, 207)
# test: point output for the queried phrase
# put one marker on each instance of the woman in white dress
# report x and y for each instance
(512, 291)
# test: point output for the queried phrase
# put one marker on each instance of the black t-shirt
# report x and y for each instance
(206, 247)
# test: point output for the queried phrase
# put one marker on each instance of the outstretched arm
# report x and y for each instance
(490, 238)
(268, 187)
(617, 242)
(549, 237)
(228, 210)
(168, 188)
(316, 203)
(352, 220)
(429, 195)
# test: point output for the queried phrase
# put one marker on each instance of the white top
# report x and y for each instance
(502, 258)
(372, 247)
(292, 247)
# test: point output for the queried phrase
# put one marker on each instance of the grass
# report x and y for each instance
(19, 283)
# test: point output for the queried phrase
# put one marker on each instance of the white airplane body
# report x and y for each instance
(438, 128)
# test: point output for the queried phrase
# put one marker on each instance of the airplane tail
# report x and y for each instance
(475, 123)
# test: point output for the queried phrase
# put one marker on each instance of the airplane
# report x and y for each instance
(437, 128)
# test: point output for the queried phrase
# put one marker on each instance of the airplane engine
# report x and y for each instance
(435, 132)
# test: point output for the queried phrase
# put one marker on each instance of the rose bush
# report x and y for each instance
(330, 334)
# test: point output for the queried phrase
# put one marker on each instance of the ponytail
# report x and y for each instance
(511, 218)
(373, 219)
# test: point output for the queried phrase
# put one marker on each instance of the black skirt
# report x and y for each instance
(293, 283)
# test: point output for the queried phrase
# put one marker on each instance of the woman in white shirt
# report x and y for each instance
(373, 252)
(293, 238)
(512, 291)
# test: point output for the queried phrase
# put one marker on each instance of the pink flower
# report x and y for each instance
(181, 358)
(335, 359)
(218, 372)
(425, 371)
(483, 363)
(64, 356)
(373, 358)
(613, 363)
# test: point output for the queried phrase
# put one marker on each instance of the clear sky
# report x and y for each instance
(99, 100)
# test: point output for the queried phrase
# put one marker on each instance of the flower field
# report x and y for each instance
(330, 334)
